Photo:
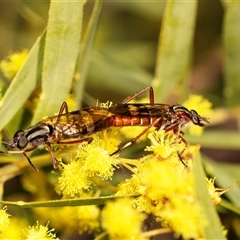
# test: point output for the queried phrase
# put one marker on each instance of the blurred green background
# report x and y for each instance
(125, 57)
(127, 39)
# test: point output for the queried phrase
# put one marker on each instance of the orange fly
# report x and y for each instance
(77, 126)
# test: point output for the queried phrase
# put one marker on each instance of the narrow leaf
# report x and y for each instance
(213, 229)
(216, 139)
(174, 50)
(60, 55)
(84, 58)
(232, 52)
(23, 83)
(64, 202)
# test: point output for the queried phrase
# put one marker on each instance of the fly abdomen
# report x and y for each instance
(121, 121)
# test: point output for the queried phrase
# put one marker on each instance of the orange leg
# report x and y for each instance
(54, 160)
(132, 141)
(151, 95)
(63, 108)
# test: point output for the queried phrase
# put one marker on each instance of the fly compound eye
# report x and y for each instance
(196, 119)
(22, 142)
(18, 134)
(20, 139)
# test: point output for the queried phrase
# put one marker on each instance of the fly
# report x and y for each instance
(64, 128)
(161, 116)
(77, 126)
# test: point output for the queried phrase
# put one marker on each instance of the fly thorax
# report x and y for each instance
(38, 134)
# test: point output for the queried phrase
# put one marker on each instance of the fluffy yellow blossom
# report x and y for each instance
(14, 62)
(166, 187)
(37, 184)
(40, 232)
(165, 144)
(129, 186)
(95, 160)
(73, 181)
(132, 132)
(202, 106)
(121, 220)
(88, 218)
(110, 138)
(79, 219)
(174, 211)
(15, 229)
(57, 216)
(4, 219)
(167, 191)
(214, 192)
(91, 160)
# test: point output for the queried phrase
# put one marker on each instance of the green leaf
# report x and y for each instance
(224, 203)
(64, 202)
(175, 47)
(216, 139)
(23, 83)
(232, 52)
(60, 55)
(83, 63)
(213, 230)
(125, 73)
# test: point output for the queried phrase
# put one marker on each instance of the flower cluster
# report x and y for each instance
(160, 184)
(15, 229)
(4, 219)
(92, 160)
(40, 232)
(166, 187)
(121, 220)
(72, 219)
(11, 66)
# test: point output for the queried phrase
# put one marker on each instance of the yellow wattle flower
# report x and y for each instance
(13, 63)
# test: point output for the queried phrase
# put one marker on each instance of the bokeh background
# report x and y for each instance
(123, 61)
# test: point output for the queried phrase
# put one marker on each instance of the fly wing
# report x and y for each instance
(139, 109)
(77, 124)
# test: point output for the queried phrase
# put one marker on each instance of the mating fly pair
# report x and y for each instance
(77, 126)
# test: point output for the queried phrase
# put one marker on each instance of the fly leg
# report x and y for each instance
(54, 159)
(151, 95)
(180, 153)
(63, 108)
(24, 154)
(176, 130)
(132, 141)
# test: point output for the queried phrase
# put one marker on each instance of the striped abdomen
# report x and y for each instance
(121, 121)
